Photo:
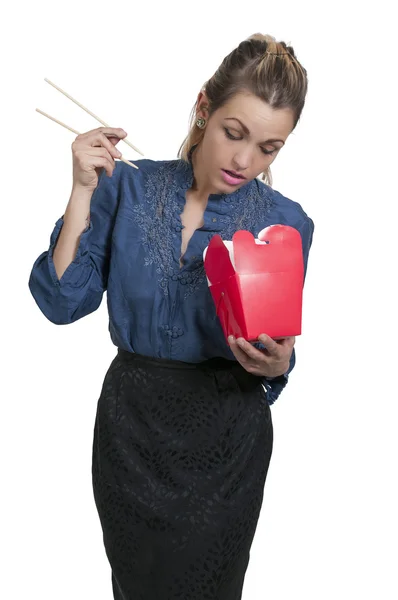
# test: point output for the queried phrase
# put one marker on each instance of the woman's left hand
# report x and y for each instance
(271, 362)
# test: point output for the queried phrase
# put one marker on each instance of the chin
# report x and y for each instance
(222, 187)
(230, 189)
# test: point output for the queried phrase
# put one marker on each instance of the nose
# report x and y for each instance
(242, 159)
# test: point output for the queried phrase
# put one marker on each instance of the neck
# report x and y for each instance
(201, 186)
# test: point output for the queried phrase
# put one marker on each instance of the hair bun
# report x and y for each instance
(260, 37)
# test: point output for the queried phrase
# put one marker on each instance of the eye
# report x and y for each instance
(230, 136)
(268, 152)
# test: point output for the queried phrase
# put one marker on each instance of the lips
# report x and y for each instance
(234, 174)
(232, 178)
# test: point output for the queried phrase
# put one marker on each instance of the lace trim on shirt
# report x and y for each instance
(160, 214)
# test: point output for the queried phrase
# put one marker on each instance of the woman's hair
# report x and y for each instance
(259, 65)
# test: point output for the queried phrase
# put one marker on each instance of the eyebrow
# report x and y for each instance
(245, 129)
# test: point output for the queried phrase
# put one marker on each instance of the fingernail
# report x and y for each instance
(118, 153)
(240, 342)
(231, 339)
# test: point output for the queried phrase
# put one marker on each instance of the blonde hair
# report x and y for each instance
(266, 68)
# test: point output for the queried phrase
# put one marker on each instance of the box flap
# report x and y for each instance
(282, 252)
(217, 262)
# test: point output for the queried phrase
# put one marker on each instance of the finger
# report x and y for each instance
(286, 342)
(252, 352)
(100, 162)
(270, 345)
(108, 131)
(114, 140)
(102, 140)
(102, 152)
(103, 136)
(99, 141)
(286, 338)
(240, 355)
(105, 163)
(110, 160)
(97, 157)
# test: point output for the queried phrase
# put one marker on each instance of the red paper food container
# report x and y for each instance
(257, 285)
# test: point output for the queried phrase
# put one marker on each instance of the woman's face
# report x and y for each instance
(243, 137)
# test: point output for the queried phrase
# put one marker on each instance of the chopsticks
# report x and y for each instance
(90, 113)
(78, 133)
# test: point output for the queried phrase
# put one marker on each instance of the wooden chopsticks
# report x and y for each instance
(90, 113)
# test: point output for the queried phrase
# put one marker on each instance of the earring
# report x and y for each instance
(201, 122)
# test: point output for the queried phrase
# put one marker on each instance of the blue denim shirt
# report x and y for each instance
(132, 250)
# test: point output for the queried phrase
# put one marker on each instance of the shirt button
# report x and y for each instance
(183, 281)
(178, 228)
(180, 331)
(174, 277)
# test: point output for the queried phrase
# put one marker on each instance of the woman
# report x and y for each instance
(183, 433)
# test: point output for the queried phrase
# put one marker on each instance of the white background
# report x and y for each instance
(328, 526)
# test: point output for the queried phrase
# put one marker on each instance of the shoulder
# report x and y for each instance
(285, 210)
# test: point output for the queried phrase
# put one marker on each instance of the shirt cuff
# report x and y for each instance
(274, 386)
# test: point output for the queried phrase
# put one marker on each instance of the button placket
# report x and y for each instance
(175, 332)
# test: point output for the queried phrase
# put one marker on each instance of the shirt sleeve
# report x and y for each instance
(80, 290)
(275, 385)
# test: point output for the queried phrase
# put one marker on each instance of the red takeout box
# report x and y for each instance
(257, 285)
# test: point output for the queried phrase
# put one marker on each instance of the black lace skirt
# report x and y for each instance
(180, 457)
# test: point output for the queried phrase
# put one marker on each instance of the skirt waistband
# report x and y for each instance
(216, 364)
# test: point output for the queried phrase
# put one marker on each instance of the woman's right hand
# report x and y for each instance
(93, 151)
